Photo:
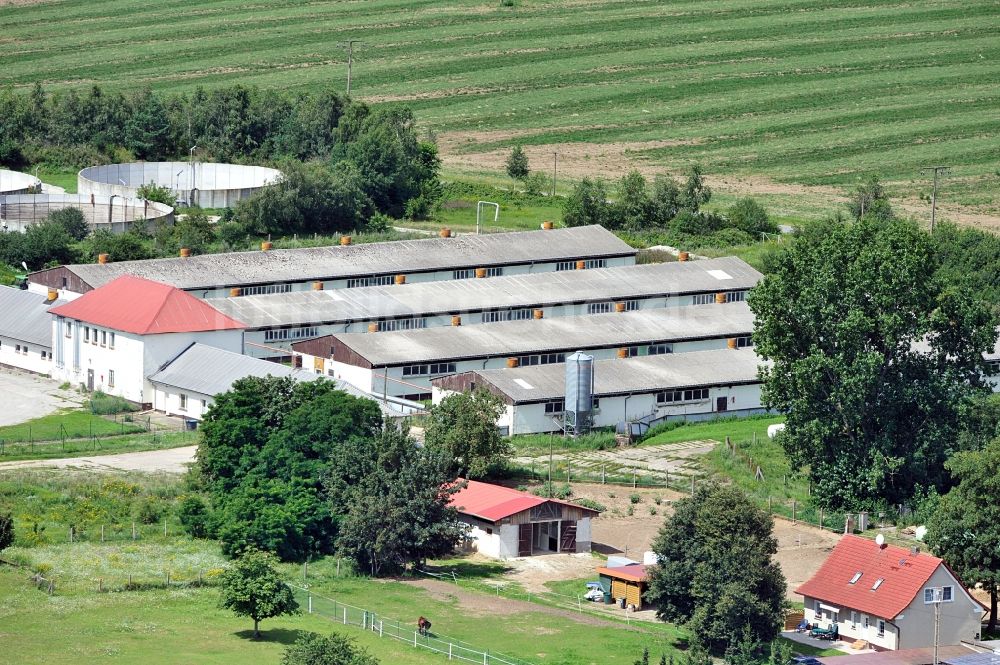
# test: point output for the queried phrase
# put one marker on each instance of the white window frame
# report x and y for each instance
(111, 378)
(703, 299)
(881, 628)
(182, 401)
(111, 339)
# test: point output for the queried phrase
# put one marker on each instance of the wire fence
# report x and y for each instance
(133, 434)
(407, 633)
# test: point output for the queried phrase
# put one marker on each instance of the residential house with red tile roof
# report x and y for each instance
(114, 337)
(505, 523)
(885, 595)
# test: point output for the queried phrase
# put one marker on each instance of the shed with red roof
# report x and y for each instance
(626, 584)
(116, 336)
(888, 595)
(507, 523)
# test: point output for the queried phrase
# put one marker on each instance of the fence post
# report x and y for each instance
(692, 485)
(164, 528)
(102, 533)
(603, 467)
(821, 518)
(71, 534)
(449, 650)
(100, 584)
(414, 638)
(569, 465)
(133, 530)
(633, 478)
(793, 511)
(380, 623)
(345, 616)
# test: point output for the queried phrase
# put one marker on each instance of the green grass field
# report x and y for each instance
(784, 94)
(72, 424)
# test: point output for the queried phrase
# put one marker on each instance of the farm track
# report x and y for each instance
(798, 96)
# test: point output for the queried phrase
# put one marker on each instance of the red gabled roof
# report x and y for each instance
(633, 572)
(904, 575)
(140, 306)
(495, 502)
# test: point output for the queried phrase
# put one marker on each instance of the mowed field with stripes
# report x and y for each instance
(784, 98)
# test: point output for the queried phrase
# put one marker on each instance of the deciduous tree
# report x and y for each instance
(870, 411)
(965, 528)
(252, 587)
(715, 571)
(464, 425)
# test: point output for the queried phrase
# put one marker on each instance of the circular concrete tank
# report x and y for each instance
(204, 184)
(117, 214)
(13, 182)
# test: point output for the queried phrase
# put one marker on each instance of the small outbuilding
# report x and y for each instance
(626, 584)
(507, 523)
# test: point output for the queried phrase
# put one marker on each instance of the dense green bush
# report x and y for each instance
(103, 404)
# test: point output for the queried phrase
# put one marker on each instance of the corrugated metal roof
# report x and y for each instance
(337, 262)
(641, 374)
(988, 658)
(564, 333)
(495, 502)
(208, 370)
(140, 306)
(26, 316)
(474, 295)
(903, 575)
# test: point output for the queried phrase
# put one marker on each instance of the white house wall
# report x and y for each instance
(961, 619)
(856, 629)
(133, 358)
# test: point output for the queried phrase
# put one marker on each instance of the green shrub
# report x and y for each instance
(635, 498)
(195, 516)
(150, 510)
(593, 505)
(103, 404)
(549, 488)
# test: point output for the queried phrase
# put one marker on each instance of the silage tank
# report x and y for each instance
(579, 390)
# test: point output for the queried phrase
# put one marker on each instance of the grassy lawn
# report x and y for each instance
(71, 424)
(154, 627)
(65, 178)
(78, 623)
(801, 93)
(738, 429)
(109, 445)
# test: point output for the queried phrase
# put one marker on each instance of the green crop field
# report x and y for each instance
(788, 99)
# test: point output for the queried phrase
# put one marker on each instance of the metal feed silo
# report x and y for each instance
(579, 406)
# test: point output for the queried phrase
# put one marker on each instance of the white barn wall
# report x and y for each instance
(29, 358)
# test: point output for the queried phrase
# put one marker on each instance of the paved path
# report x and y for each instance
(169, 460)
(27, 396)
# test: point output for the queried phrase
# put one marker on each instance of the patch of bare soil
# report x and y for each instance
(479, 604)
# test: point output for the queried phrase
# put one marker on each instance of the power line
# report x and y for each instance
(936, 170)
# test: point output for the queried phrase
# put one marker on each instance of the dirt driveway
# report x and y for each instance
(169, 460)
(28, 396)
(801, 548)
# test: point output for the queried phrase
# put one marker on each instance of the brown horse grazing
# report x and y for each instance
(423, 626)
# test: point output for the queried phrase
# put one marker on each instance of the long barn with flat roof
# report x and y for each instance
(681, 386)
(279, 271)
(402, 363)
(274, 322)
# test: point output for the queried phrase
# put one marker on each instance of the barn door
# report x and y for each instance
(524, 540)
(568, 543)
(721, 403)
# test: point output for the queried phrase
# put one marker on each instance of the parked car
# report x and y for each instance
(804, 660)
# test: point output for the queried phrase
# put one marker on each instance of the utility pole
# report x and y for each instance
(938, 595)
(936, 170)
(555, 164)
(350, 61)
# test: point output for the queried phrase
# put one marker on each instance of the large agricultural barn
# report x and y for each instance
(404, 362)
(650, 389)
(274, 322)
(506, 523)
(282, 271)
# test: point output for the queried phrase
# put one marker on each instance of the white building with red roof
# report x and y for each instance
(506, 523)
(885, 595)
(114, 337)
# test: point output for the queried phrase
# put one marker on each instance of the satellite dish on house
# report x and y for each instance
(880, 540)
